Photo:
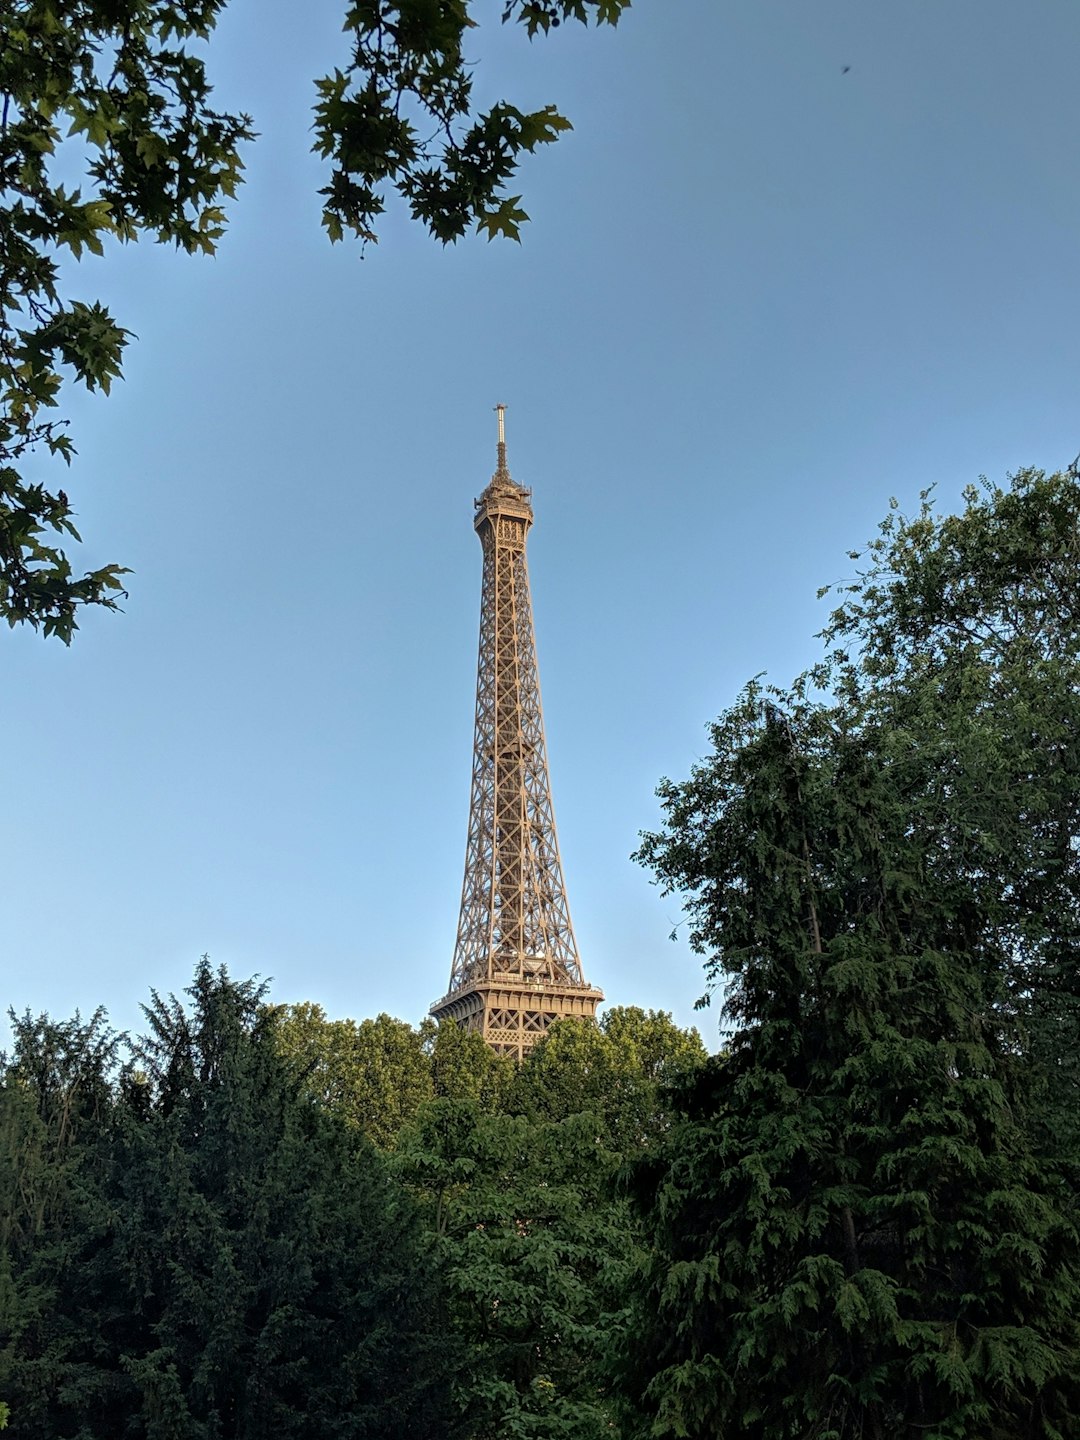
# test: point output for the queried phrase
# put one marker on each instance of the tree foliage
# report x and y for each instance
(860, 1217)
(961, 637)
(371, 1074)
(513, 1171)
(202, 1241)
(376, 1074)
(617, 1071)
(464, 1068)
(121, 82)
(533, 1248)
(232, 1262)
(124, 83)
(55, 1107)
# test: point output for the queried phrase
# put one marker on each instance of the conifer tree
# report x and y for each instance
(961, 634)
(55, 1104)
(248, 1267)
(854, 1235)
(860, 1222)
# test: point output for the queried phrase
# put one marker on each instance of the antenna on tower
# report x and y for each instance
(500, 410)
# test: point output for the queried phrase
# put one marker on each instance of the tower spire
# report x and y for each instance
(501, 469)
(516, 965)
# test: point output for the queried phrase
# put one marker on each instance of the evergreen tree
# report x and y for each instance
(55, 1104)
(250, 1268)
(854, 1236)
(961, 635)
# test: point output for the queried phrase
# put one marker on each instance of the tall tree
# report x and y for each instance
(55, 1106)
(253, 1268)
(119, 80)
(962, 634)
(860, 1222)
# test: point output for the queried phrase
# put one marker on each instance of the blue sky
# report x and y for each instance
(758, 297)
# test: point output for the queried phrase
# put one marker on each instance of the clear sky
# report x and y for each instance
(758, 297)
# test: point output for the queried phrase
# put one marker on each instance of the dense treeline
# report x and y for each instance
(257, 1221)
(192, 1249)
(859, 1222)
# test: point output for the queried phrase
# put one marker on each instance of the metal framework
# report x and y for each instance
(516, 965)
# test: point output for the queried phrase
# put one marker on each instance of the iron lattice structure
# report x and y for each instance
(516, 965)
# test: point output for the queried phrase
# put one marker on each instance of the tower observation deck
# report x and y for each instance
(516, 965)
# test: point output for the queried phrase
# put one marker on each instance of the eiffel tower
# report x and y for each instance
(516, 966)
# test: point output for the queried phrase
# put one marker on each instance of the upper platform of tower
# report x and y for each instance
(503, 496)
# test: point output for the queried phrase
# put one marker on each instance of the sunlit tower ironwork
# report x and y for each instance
(516, 965)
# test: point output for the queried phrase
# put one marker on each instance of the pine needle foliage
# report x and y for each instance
(239, 1264)
(861, 1222)
(55, 1113)
(960, 635)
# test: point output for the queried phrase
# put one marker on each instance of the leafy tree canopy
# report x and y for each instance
(533, 1250)
(616, 1070)
(375, 1074)
(372, 1074)
(126, 81)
